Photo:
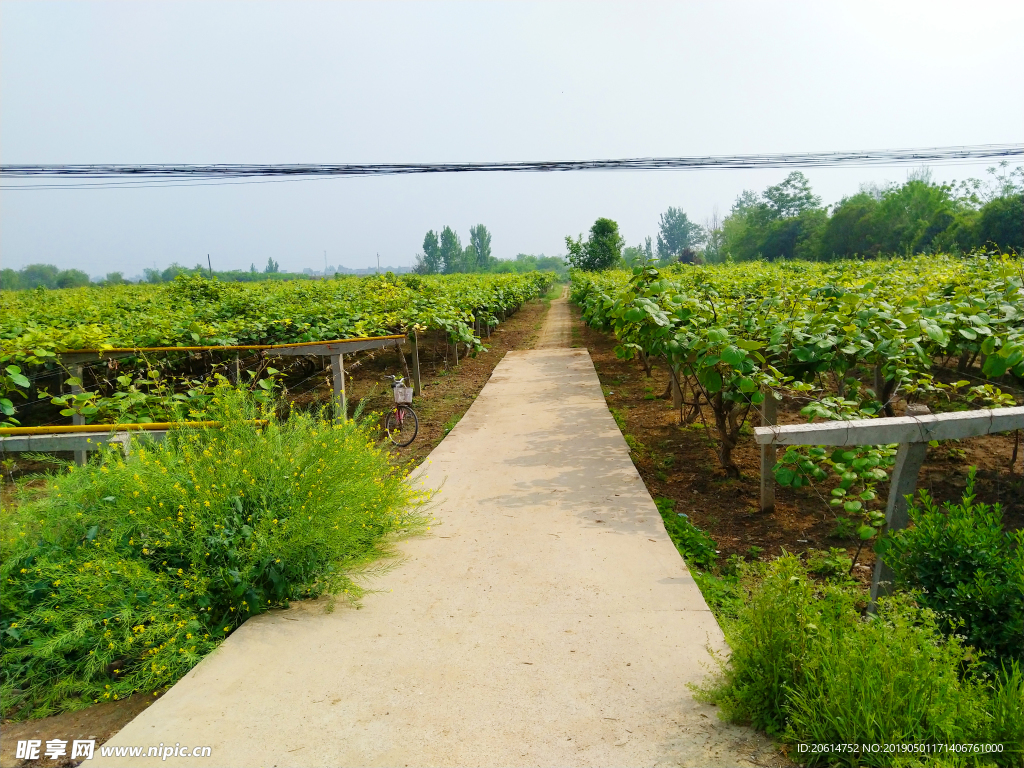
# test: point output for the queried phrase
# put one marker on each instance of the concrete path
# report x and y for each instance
(547, 621)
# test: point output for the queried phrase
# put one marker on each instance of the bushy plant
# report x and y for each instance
(119, 576)
(834, 564)
(807, 667)
(967, 568)
(696, 547)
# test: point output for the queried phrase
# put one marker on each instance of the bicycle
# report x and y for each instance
(401, 423)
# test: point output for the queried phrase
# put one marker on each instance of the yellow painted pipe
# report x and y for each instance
(113, 427)
(225, 348)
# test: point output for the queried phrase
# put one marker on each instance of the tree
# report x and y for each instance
(791, 198)
(252, 269)
(676, 233)
(782, 223)
(430, 263)
(480, 243)
(35, 275)
(713, 238)
(451, 252)
(1001, 223)
(602, 250)
(272, 267)
(851, 229)
(640, 254)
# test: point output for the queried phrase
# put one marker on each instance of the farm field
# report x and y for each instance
(192, 311)
(680, 464)
(843, 340)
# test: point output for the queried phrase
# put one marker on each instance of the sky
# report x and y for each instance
(290, 82)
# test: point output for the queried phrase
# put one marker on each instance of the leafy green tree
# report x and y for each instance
(114, 278)
(35, 275)
(430, 261)
(713, 239)
(676, 233)
(272, 267)
(791, 197)
(72, 278)
(480, 243)
(640, 254)
(1001, 224)
(10, 280)
(602, 250)
(911, 216)
(782, 223)
(452, 258)
(850, 230)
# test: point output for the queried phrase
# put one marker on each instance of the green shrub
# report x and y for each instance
(696, 547)
(834, 565)
(807, 668)
(967, 568)
(119, 576)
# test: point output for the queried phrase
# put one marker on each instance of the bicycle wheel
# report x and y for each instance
(401, 425)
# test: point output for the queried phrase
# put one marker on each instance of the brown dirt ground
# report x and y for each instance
(680, 463)
(448, 392)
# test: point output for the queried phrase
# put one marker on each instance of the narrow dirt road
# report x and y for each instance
(547, 620)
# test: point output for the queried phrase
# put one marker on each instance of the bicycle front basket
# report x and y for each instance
(403, 395)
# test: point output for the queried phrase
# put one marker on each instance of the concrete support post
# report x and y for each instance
(338, 373)
(77, 372)
(909, 459)
(768, 454)
(416, 384)
(677, 391)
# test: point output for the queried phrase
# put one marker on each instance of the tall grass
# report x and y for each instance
(120, 576)
(807, 667)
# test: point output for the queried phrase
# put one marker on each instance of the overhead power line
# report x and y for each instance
(110, 175)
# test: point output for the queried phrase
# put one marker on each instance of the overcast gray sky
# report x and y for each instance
(219, 82)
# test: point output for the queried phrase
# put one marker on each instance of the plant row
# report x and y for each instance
(192, 311)
(848, 338)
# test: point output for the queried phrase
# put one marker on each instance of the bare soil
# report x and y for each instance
(680, 463)
(99, 722)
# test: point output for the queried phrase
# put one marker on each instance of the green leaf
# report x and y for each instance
(712, 380)
(852, 506)
(785, 476)
(988, 346)
(748, 344)
(865, 532)
(733, 356)
(995, 366)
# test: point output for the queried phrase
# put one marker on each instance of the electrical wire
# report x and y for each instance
(170, 175)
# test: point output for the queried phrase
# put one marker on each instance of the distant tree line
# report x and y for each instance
(43, 275)
(788, 221)
(49, 276)
(443, 254)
